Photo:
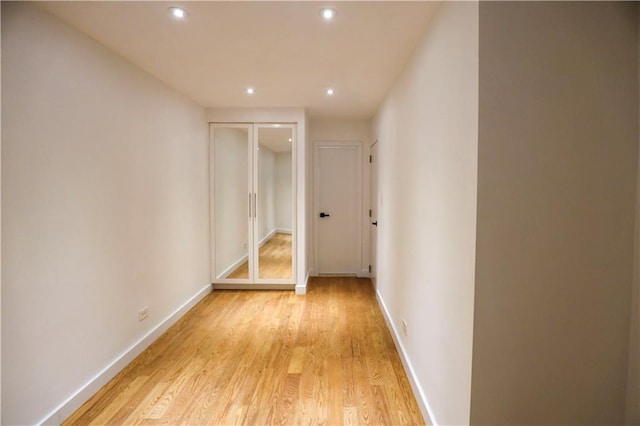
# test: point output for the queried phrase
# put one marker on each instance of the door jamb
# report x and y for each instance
(373, 205)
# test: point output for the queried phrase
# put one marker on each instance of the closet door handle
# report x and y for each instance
(254, 204)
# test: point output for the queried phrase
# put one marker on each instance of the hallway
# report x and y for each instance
(266, 357)
(146, 155)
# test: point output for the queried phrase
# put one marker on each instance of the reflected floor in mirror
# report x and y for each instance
(274, 260)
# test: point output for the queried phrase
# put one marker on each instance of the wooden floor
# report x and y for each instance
(274, 260)
(266, 357)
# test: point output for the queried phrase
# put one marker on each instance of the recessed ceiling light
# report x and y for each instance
(251, 90)
(330, 92)
(290, 140)
(328, 14)
(178, 12)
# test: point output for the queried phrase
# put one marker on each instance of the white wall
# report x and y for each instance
(0, 230)
(283, 191)
(275, 182)
(307, 187)
(427, 132)
(231, 190)
(266, 193)
(632, 405)
(105, 201)
(558, 139)
(334, 129)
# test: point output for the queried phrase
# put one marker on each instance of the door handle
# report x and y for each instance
(324, 214)
(375, 223)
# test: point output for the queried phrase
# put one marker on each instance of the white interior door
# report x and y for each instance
(338, 204)
(373, 227)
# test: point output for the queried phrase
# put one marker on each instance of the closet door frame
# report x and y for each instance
(253, 200)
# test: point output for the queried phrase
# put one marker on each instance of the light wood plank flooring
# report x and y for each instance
(266, 357)
(274, 260)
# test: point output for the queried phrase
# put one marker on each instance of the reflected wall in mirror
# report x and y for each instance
(275, 206)
(231, 153)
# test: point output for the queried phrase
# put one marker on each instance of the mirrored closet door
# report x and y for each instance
(252, 203)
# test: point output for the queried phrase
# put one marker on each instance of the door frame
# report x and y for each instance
(316, 196)
(374, 209)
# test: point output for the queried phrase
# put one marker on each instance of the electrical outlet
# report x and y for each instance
(143, 313)
(405, 327)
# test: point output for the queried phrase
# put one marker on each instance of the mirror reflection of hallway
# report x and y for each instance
(232, 162)
(270, 205)
(275, 208)
(275, 259)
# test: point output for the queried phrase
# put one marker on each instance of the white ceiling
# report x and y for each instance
(283, 49)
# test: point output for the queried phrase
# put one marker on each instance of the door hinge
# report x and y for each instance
(371, 158)
(369, 212)
(369, 268)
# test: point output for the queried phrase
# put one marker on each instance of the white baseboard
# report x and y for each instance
(253, 286)
(423, 403)
(302, 288)
(232, 267)
(284, 231)
(363, 274)
(337, 274)
(267, 237)
(89, 389)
